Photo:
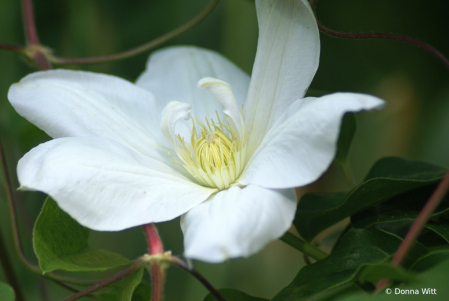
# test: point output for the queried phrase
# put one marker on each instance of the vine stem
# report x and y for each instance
(11, 47)
(418, 225)
(178, 262)
(157, 269)
(30, 25)
(101, 59)
(303, 246)
(106, 282)
(387, 36)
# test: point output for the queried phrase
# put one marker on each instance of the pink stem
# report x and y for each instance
(30, 25)
(417, 226)
(157, 273)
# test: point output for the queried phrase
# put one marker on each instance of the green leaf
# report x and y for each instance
(430, 260)
(142, 292)
(347, 132)
(61, 243)
(405, 206)
(388, 178)
(6, 292)
(373, 273)
(124, 289)
(359, 256)
(441, 227)
(436, 278)
(233, 295)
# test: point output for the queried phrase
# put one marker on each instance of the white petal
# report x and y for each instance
(286, 61)
(237, 222)
(67, 103)
(302, 144)
(172, 113)
(106, 186)
(173, 74)
(222, 91)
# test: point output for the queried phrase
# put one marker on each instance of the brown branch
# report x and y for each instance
(418, 225)
(106, 282)
(387, 36)
(101, 59)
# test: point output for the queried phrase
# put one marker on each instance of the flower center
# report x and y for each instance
(214, 157)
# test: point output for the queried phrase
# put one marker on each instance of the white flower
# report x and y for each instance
(123, 156)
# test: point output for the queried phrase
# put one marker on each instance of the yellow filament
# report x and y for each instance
(214, 157)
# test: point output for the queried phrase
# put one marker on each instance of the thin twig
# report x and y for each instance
(387, 36)
(200, 278)
(101, 59)
(106, 282)
(418, 225)
(11, 47)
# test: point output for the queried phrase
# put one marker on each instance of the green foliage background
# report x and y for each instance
(414, 123)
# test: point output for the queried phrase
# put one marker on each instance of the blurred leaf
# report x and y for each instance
(61, 243)
(430, 260)
(123, 290)
(441, 227)
(405, 206)
(435, 278)
(358, 257)
(142, 292)
(233, 295)
(373, 273)
(388, 177)
(6, 292)
(347, 131)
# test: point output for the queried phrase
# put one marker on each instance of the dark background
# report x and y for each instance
(414, 124)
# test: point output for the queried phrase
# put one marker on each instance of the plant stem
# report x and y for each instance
(8, 270)
(106, 282)
(418, 225)
(199, 277)
(303, 246)
(30, 25)
(387, 36)
(157, 269)
(101, 59)
(11, 47)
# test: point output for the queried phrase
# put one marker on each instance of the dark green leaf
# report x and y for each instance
(233, 295)
(6, 292)
(388, 178)
(373, 273)
(430, 260)
(358, 257)
(348, 128)
(436, 278)
(61, 243)
(123, 290)
(142, 292)
(405, 206)
(441, 227)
